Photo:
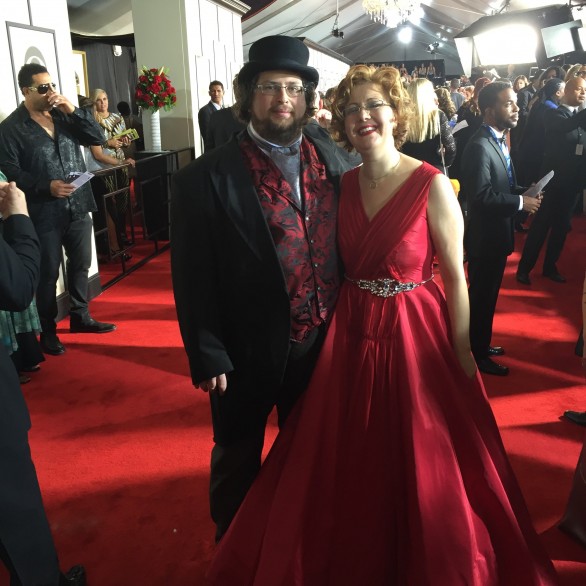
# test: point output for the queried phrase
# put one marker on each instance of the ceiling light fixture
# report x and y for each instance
(391, 13)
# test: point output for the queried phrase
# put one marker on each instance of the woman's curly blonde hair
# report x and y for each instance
(389, 80)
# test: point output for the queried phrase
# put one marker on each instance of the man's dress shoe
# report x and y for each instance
(578, 417)
(89, 326)
(74, 577)
(523, 278)
(496, 350)
(488, 366)
(50, 344)
(555, 276)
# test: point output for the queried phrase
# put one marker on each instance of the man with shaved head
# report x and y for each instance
(565, 146)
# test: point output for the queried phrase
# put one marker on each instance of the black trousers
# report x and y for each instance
(26, 544)
(236, 458)
(553, 217)
(75, 236)
(485, 276)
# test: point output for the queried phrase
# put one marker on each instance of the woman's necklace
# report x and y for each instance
(374, 183)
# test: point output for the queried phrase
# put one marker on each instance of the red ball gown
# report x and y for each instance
(390, 471)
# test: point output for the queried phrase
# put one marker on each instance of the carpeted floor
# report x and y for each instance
(122, 440)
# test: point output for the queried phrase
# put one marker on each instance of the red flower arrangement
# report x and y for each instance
(154, 90)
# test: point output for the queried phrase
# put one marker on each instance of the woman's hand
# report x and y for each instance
(12, 200)
(114, 143)
(130, 162)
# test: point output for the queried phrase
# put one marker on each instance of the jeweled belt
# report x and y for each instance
(386, 287)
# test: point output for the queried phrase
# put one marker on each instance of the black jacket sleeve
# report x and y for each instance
(20, 257)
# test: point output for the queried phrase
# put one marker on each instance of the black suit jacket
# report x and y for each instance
(222, 124)
(563, 132)
(203, 118)
(492, 204)
(19, 274)
(230, 293)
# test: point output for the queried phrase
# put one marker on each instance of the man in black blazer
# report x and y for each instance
(565, 146)
(254, 261)
(26, 544)
(216, 92)
(493, 199)
(221, 126)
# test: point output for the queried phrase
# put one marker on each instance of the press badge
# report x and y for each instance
(579, 149)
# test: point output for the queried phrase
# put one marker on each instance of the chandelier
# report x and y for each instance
(391, 13)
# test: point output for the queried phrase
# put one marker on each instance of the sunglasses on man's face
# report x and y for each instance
(43, 88)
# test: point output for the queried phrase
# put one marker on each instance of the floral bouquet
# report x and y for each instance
(154, 90)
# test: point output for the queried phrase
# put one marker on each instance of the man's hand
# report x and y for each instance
(217, 384)
(12, 200)
(531, 204)
(61, 103)
(61, 189)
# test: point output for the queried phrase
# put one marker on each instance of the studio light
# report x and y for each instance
(405, 34)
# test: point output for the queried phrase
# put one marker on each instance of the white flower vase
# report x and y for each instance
(155, 126)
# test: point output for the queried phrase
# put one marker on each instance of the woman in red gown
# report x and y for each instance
(390, 471)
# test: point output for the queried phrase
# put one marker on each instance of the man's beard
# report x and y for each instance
(282, 134)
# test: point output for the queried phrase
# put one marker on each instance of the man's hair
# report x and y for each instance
(245, 95)
(216, 82)
(489, 94)
(123, 108)
(25, 75)
(455, 83)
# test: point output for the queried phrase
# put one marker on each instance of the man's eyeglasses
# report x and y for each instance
(43, 88)
(371, 105)
(273, 89)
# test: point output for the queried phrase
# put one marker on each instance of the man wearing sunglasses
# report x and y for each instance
(39, 147)
(254, 263)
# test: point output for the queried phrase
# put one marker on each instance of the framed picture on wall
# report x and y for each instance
(80, 68)
(31, 44)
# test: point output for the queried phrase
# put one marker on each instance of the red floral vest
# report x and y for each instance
(305, 239)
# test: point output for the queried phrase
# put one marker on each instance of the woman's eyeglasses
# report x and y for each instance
(272, 89)
(371, 105)
(43, 88)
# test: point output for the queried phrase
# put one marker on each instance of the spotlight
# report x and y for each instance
(336, 32)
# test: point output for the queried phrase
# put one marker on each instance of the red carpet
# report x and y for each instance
(122, 440)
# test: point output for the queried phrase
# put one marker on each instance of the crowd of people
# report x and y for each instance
(303, 252)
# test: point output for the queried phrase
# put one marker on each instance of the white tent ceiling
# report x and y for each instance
(363, 40)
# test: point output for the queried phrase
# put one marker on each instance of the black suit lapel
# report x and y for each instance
(240, 200)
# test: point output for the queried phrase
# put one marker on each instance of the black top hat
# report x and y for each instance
(278, 52)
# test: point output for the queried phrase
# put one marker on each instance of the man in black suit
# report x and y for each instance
(565, 143)
(26, 544)
(493, 199)
(221, 126)
(216, 92)
(254, 261)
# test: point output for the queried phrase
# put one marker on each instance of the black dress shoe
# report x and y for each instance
(50, 344)
(496, 350)
(578, 417)
(555, 276)
(489, 366)
(523, 278)
(89, 326)
(74, 577)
